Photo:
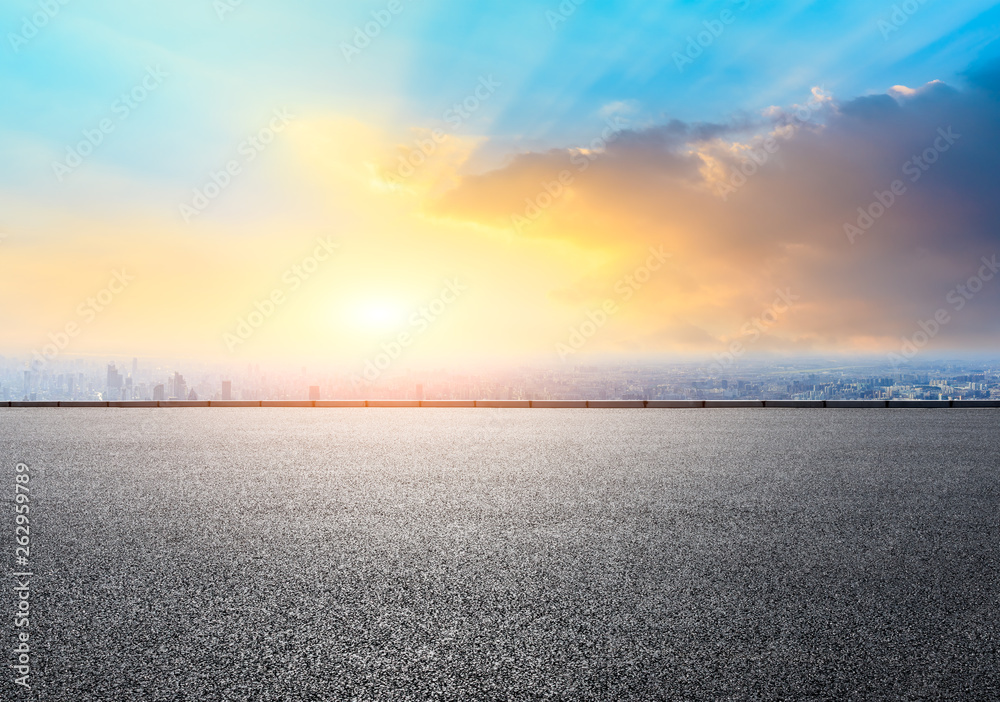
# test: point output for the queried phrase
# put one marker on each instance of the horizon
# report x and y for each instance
(724, 379)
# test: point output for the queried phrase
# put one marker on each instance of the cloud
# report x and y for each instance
(619, 107)
(784, 227)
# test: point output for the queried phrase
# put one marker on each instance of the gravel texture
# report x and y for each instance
(397, 554)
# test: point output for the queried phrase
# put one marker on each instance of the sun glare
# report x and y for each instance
(377, 315)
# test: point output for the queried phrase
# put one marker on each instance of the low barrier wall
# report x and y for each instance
(543, 404)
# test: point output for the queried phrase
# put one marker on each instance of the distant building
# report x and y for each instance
(115, 383)
(314, 392)
(178, 387)
(227, 390)
(192, 396)
(158, 394)
(420, 392)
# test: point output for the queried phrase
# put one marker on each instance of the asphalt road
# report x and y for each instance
(348, 554)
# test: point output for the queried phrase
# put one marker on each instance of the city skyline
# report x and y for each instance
(749, 379)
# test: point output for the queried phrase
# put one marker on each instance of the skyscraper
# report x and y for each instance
(158, 394)
(227, 390)
(314, 392)
(114, 383)
(178, 388)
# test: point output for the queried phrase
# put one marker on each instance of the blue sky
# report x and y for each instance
(562, 70)
(556, 80)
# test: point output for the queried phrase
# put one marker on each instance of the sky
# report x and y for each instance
(261, 180)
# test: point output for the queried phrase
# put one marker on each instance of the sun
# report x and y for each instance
(377, 315)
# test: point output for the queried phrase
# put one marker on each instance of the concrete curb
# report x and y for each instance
(540, 404)
(857, 404)
(919, 404)
(616, 404)
(546, 404)
(795, 404)
(733, 404)
(676, 404)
